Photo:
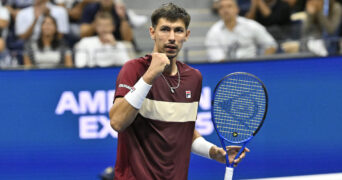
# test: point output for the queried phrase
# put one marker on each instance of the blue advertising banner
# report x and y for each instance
(55, 125)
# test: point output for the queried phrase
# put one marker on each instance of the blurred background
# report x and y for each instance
(59, 61)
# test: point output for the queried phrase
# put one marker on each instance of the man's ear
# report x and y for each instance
(152, 32)
(187, 35)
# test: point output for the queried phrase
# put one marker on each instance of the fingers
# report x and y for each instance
(233, 151)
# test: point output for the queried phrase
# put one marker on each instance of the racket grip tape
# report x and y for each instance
(229, 173)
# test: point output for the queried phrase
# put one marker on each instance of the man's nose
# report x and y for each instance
(172, 36)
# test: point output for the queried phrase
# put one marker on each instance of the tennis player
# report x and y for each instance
(155, 107)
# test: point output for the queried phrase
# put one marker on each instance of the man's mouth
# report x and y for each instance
(170, 47)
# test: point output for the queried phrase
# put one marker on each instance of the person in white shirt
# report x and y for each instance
(102, 50)
(235, 37)
(29, 20)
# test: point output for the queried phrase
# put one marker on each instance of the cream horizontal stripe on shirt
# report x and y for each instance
(169, 111)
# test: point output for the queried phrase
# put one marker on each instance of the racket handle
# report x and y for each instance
(229, 173)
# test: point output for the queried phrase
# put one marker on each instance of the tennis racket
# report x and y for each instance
(239, 107)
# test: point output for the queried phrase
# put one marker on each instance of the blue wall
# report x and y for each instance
(54, 122)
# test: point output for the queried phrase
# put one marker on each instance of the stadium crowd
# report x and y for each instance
(99, 33)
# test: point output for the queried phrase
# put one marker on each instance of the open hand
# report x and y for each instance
(219, 154)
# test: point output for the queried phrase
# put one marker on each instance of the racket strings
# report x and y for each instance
(239, 107)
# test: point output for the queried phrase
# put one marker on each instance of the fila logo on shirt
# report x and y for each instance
(188, 94)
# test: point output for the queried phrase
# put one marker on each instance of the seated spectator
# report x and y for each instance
(48, 51)
(274, 15)
(120, 19)
(29, 20)
(235, 37)
(102, 50)
(318, 26)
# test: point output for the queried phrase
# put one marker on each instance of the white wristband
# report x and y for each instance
(201, 147)
(137, 95)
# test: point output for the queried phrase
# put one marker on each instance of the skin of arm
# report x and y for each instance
(252, 10)
(68, 61)
(87, 29)
(270, 51)
(76, 12)
(3, 23)
(27, 61)
(29, 31)
(2, 44)
(330, 23)
(219, 154)
(125, 28)
(264, 9)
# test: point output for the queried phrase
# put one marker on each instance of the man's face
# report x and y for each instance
(169, 37)
(104, 26)
(228, 10)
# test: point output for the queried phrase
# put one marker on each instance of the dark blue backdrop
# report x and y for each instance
(53, 122)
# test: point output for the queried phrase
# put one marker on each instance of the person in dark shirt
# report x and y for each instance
(120, 18)
(274, 15)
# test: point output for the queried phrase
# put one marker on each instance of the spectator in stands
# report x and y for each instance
(29, 20)
(48, 51)
(274, 15)
(236, 37)
(120, 19)
(102, 50)
(318, 25)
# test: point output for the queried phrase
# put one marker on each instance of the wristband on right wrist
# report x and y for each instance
(137, 95)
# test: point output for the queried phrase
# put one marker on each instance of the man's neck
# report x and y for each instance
(230, 25)
(172, 69)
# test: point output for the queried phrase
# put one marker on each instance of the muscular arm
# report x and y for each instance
(122, 114)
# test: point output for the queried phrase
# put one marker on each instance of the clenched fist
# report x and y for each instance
(158, 64)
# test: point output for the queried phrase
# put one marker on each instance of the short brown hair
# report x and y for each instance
(104, 15)
(172, 13)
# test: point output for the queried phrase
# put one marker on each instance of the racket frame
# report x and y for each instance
(246, 141)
